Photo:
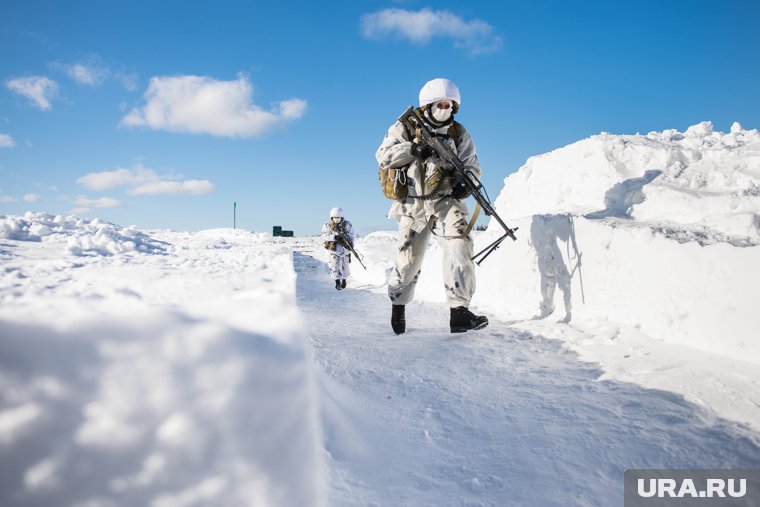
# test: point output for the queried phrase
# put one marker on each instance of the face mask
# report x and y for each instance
(441, 115)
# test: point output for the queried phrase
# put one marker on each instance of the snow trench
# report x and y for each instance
(498, 417)
(225, 369)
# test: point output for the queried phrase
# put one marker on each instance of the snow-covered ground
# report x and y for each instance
(152, 368)
(221, 367)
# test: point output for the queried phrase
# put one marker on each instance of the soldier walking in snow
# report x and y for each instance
(433, 204)
(338, 234)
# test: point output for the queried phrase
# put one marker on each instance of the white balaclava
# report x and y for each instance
(441, 115)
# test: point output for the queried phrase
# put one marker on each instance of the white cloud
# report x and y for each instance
(203, 105)
(7, 198)
(128, 81)
(291, 109)
(143, 181)
(6, 141)
(190, 187)
(93, 71)
(84, 74)
(476, 36)
(39, 89)
(106, 180)
(31, 197)
(102, 202)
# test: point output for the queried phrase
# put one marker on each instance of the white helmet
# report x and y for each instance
(439, 89)
(336, 212)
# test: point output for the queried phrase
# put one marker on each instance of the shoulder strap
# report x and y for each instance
(455, 129)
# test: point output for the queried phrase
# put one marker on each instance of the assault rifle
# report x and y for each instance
(343, 240)
(414, 122)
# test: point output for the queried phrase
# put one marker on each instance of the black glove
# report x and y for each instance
(460, 191)
(422, 151)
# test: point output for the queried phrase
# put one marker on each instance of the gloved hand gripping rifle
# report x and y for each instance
(413, 122)
(343, 240)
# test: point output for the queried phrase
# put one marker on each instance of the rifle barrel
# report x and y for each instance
(351, 247)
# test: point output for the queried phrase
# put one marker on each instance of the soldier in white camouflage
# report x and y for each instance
(335, 233)
(434, 205)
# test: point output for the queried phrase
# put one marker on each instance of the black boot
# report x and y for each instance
(398, 319)
(337, 284)
(343, 284)
(463, 320)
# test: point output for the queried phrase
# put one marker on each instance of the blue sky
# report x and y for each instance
(162, 114)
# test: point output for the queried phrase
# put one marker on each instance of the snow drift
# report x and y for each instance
(124, 381)
(86, 237)
(659, 232)
(702, 184)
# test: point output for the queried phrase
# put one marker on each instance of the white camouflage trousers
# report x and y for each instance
(458, 268)
(339, 267)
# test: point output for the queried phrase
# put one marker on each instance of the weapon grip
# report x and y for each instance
(411, 121)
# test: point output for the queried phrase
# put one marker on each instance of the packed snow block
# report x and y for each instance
(658, 231)
(700, 179)
(507, 281)
(670, 286)
(156, 409)
(85, 237)
(378, 250)
(157, 380)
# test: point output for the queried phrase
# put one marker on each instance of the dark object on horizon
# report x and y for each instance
(277, 231)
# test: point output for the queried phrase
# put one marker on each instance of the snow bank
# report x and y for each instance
(170, 380)
(658, 232)
(153, 409)
(378, 251)
(702, 181)
(86, 237)
(573, 268)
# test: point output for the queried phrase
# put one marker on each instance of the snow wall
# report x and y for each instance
(660, 232)
(109, 399)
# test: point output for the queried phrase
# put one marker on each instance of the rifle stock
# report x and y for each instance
(412, 120)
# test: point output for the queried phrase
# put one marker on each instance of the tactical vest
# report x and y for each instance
(393, 180)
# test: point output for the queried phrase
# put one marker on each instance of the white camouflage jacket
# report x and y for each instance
(328, 234)
(395, 151)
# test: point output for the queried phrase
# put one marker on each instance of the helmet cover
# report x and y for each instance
(439, 89)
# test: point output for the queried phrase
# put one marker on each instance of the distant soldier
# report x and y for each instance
(434, 205)
(336, 233)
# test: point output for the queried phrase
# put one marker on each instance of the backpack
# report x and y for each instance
(393, 180)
